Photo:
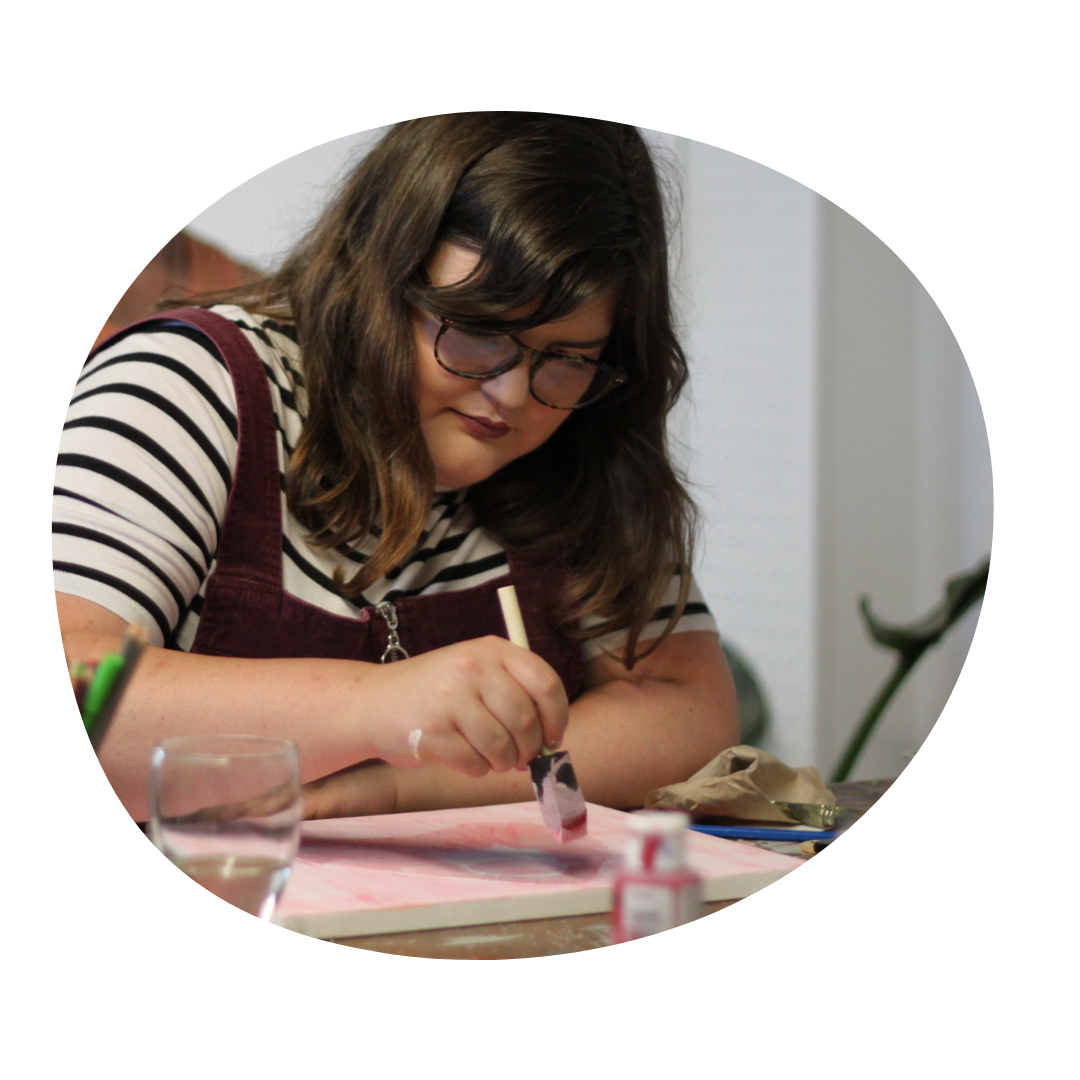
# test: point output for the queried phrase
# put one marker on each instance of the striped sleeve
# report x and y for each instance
(143, 476)
(695, 616)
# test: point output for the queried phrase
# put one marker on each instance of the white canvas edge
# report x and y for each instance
(498, 909)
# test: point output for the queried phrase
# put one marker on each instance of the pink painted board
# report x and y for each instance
(424, 871)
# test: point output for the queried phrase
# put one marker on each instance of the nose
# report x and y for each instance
(510, 390)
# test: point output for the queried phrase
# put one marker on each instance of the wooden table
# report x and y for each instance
(575, 933)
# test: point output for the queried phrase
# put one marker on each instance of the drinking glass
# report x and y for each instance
(226, 809)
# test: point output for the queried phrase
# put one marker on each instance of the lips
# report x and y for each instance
(482, 429)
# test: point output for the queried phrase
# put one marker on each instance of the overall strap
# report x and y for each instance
(250, 544)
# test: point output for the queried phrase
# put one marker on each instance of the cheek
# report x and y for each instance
(433, 385)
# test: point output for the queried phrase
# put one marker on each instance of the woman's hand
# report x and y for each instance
(367, 788)
(479, 706)
(630, 732)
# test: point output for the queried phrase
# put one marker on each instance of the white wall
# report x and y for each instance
(259, 221)
(833, 433)
(748, 283)
(903, 487)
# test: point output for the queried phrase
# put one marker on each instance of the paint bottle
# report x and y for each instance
(655, 889)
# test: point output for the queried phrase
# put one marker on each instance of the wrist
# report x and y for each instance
(357, 713)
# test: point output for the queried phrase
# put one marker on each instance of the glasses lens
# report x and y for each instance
(566, 381)
(474, 354)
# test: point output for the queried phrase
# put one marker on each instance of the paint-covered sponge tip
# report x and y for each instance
(561, 803)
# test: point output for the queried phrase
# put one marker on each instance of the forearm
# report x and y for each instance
(482, 705)
(313, 702)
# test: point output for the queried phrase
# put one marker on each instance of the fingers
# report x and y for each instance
(478, 737)
(524, 696)
(453, 749)
(478, 706)
(520, 735)
(544, 687)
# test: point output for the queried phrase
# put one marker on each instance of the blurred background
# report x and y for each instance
(832, 431)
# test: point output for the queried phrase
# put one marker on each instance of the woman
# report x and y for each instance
(463, 372)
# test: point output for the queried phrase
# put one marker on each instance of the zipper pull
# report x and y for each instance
(394, 649)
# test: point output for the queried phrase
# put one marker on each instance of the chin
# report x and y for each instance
(464, 475)
(463, 479)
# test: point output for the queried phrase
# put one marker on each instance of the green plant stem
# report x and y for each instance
(904, 663)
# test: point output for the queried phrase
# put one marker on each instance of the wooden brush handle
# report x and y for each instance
(515, 628)
(511, 610)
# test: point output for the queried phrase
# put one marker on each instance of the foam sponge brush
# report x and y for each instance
(561, 803)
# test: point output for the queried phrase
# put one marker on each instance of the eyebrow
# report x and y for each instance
(594, 344)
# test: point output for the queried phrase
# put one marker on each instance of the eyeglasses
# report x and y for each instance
(557, 380)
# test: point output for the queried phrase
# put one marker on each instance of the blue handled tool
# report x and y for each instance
(793, 835)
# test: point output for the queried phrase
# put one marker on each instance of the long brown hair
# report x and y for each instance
(559, 208)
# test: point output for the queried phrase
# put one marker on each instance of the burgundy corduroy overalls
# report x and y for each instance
(246, 611)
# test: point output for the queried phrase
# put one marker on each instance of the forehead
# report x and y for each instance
(452, 263)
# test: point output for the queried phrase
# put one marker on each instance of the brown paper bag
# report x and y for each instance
(742, 783)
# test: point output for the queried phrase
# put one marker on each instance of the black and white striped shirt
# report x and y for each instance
(143, 478)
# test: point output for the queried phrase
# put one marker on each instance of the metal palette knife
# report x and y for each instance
(561, 803)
